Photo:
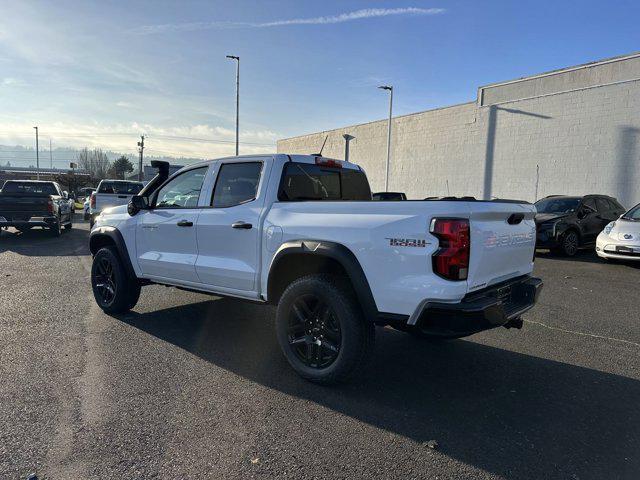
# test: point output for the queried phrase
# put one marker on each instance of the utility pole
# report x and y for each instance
(141, 150)
(386, 175)
(37, 156)
(237, 59)
(50, 155)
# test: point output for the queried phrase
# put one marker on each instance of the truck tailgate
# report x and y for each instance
(106, 200)
(503, 239)
(21, 207)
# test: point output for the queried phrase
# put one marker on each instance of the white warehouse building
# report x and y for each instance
(572, 131)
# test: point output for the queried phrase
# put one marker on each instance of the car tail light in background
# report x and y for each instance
(451, 260)
(92, 200)
(50, 207)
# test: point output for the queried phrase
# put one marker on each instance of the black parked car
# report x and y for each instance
(389, 196)
(564, 224)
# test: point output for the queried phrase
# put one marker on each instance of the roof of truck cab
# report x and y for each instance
(278, 156)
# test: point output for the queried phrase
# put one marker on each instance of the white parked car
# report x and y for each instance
(86, 211)
(111, 193)
(621, 239)
(302, 232)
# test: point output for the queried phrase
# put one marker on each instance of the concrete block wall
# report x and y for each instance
(578, 141)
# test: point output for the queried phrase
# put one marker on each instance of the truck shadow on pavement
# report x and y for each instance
(39, 243)
(504, 412)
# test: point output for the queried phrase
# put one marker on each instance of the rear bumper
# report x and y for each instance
(34, 221)
(489, 308)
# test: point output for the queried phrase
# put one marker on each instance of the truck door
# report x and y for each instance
(166, 244)
(228, 232)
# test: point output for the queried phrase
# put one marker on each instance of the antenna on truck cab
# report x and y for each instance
(321, 148)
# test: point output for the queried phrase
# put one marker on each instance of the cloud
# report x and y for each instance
(191, 141)
(324, 20)
(13, 82)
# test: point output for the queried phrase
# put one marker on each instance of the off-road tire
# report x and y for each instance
(126, 290)
(357, 334)
(55, 230)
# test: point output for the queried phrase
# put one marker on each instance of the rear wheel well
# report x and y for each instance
(297, 265)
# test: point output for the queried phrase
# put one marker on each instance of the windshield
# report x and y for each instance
(31, 188)
(557, 205)
(633, 214)
(120, 188)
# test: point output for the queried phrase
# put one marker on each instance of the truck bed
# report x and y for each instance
(391, 241)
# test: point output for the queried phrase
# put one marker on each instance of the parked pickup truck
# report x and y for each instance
(30, 203)
(302, 232)
(111, 193)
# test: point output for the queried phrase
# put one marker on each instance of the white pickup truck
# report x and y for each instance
(111, 193)
(301, 232)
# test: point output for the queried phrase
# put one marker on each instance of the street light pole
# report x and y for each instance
(347, 139)
(37, 156)
(386, 175)
(237, 59)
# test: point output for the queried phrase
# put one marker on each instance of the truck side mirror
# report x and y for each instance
(136, 204)
(65, 195)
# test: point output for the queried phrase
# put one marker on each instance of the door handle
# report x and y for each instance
(185, 223)
(243, 225)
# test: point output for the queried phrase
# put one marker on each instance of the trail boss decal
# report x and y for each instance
(407, 242)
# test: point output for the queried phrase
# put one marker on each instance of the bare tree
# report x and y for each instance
(94, 162)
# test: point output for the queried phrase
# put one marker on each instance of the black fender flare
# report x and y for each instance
(334, 251)
(110, 235)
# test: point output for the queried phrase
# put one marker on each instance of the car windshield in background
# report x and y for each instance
(30, 188)
(633, 214)
(303, 181)
(557, 205)
(120, 188)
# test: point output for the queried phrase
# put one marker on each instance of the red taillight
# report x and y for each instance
(327, 162)
(50, 207)
(451, 260)
(92, 200)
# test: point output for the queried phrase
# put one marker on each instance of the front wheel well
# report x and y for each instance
(100, 241)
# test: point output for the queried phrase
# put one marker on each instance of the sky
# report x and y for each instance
(99, 74)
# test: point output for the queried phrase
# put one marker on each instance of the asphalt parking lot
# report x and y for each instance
(190, 386)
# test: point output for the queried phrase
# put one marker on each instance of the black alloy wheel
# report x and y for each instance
(322, 330)
(105, 282)
(570, 244)
(314, 333)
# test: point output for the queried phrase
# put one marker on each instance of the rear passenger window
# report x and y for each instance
(237, 183)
